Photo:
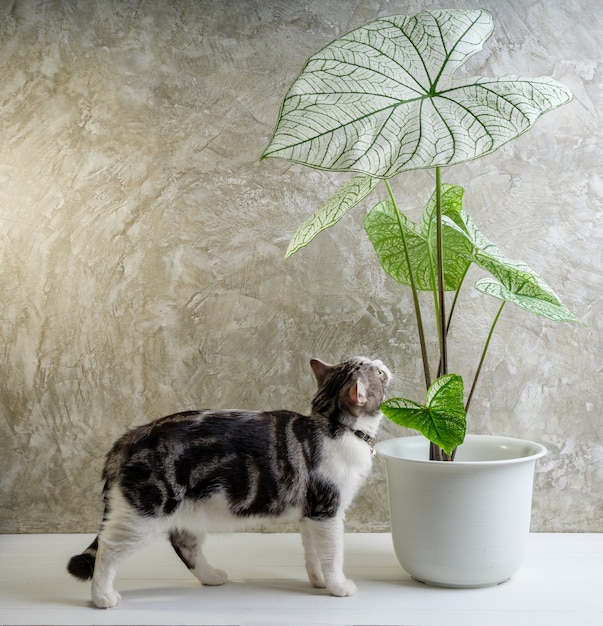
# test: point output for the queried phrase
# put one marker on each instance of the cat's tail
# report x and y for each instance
(81, 566)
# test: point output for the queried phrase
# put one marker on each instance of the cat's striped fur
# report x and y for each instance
(197, 472)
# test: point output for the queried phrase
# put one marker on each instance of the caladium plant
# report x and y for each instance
(382, 100)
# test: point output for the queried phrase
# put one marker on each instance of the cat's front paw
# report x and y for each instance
(342, 588)
(214, 578)
(107, 600)
(317, 579)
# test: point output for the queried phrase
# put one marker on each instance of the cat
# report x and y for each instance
(196, 472)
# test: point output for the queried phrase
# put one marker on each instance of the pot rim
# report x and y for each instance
(498, 442)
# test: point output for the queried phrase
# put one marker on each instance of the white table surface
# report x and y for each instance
(560, 583)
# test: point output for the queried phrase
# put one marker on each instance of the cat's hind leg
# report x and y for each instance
(108, 558)
(124, 531)
(188, 547)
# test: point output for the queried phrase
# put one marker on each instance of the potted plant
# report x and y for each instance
(377, 102)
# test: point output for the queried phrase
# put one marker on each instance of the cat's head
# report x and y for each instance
(354, 387)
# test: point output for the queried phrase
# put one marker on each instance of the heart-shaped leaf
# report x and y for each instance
(442, 419)
(537, 305)
(331, 211)
(399, 241)
(382, 99)
(513, 281)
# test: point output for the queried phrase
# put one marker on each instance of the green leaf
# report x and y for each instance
(442, 419)
(394, 236)
(331, 211)
(538, 306)
(382, 99)
(513, 281)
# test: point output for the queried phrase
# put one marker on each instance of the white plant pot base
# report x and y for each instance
(463, 523)
(451, 585)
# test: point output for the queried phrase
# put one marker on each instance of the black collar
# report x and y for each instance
(362, 435)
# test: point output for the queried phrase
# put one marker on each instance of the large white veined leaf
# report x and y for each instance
(382, 99)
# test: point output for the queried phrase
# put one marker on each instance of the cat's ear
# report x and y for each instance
(320, 369)
(358, 393)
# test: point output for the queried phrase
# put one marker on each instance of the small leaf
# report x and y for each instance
(514, 281)
(395, 236)
(332, 210)
(442, 420)
(538, 306)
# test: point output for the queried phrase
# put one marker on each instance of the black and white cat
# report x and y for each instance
(197, 472)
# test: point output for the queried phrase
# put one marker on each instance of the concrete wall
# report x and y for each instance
(142, 242)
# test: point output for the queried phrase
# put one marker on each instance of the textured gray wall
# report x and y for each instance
(141, 241)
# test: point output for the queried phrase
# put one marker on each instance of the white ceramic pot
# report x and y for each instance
(463, 523)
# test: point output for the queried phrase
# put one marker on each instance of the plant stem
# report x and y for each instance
(456, 296)
(441, 293)
(452, 307)
(435, 452)
(415, 294)
(481, 361)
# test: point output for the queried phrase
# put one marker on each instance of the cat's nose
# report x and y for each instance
(383, 369)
